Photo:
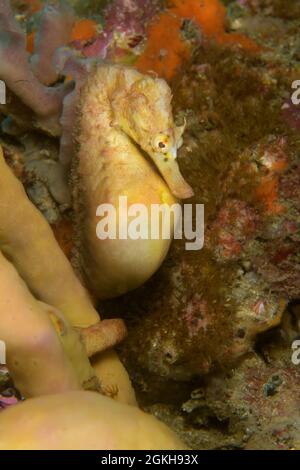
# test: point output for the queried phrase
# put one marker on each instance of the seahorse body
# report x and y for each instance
(121, 115)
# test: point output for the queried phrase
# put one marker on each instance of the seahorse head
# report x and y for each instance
(145, 114)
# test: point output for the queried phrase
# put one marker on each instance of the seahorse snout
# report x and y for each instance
(169, 169)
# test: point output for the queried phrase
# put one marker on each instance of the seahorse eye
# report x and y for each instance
(161, 143)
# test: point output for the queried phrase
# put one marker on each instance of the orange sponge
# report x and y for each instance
(166, 49)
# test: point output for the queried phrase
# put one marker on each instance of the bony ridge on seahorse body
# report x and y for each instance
(122, 115)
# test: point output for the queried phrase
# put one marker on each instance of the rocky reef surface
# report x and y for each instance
(210, 334)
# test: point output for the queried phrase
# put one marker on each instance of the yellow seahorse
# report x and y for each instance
(122, 116)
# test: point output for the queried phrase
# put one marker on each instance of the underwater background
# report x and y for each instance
(207, 337)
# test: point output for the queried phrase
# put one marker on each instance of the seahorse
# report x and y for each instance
(123, 117)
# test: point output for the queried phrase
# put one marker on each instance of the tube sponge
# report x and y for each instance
(18, 76)
(80, 421)
(45, 354)
(35, 356)
(28, 242)
(17, 73)
(55, 31)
